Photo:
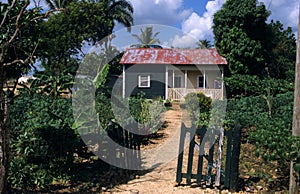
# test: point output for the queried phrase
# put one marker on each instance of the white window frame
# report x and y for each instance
(146, 79)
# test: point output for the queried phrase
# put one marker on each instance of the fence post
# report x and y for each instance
(235, 157)
(211, 155)
(219, 158)
(191, 154)
(228, 158)
(180, 156)
(202, 132)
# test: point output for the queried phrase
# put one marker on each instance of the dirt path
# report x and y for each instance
(162, 178)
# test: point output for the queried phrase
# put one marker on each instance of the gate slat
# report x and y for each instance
(235, 157)
(211, 155)
(232, 135)
(191, 154)
(200, 155)
(180, 156)
(228, 158)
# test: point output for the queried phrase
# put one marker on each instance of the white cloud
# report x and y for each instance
(184, 41)
(167, 12)
(199, 27)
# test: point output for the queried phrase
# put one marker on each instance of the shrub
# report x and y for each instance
(143, 111)
(199, 107)
(42, 140)
(271, 133)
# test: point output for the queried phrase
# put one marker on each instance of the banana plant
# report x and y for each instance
(45, 82)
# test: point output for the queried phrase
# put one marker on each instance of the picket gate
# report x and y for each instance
(207, 139)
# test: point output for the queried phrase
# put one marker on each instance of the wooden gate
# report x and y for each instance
(127, 150)
(205, 141)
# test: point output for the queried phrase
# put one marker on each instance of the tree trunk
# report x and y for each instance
(294, 180)
(4, 135)
(294, 184)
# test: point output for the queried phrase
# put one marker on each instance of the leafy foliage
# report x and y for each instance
(45, 83)
(202, 44)
(147, 37)
(82, 22)
(18, 40)
(239, 29)
(199, 107)
(147, 112)
(58, 3)
(42, 140)
(251, 46)
(249, 85)
(120, 11)
(62, 34)
(270, 131)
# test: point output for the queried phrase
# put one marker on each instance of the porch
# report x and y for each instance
(182, 80)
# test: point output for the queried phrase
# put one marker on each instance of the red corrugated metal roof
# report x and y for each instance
(172, 56)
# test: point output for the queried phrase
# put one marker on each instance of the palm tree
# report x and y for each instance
(202, 44)
(119, 11)
(147, 37)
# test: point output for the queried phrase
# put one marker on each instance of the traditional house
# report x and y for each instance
(172, 73)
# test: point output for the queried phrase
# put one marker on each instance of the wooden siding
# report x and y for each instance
(157, 80)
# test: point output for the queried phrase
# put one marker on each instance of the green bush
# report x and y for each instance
(199, 107)
(42, 140)
(247, 111)
(141, 110)
(271, 132)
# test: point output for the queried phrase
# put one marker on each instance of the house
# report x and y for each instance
(172, 73)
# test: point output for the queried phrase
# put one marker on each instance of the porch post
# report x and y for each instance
(173, 79)
(204, 80)
(166, 83)
(123, 84)
(222, 84)
(185, 81)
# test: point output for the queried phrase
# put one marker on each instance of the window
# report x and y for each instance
(144, 81)
(177, 82)
(217, 84)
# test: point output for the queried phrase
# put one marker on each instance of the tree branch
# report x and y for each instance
(18, 28)
(47, 14)
(17, 22)
(23, 61)
(6, 13)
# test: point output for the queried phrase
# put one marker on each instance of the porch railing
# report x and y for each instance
(179, 93)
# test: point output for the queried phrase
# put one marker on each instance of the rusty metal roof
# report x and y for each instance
(172, 56)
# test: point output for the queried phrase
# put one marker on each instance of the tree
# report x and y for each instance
(239, 29)
(294, 172)
(84, 22)
(53, 4)
(119, 11)
(280, 49)
(147, 37)
(18, 27)
(250, 45)
(202, 44)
